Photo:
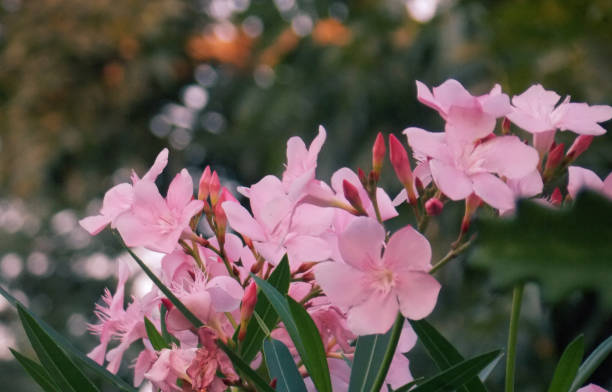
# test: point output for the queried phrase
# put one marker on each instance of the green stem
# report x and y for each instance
(517, 299)
(386, 362)
(451, 255)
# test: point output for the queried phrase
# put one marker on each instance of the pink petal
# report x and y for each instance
(533, 109)
(582, 118)
(385, 205)
(148, 204)
(408, 249)
(375, 315)
(451, 93)
(134, 232)
(241, 221)
(271, 251)
(340, 282)
(495, 103)
(607, 186)
(427, 144)
(180, 191)
(466, 125)
(225, 293)
(425, 97)
(507, 156)
(158, 166)
(310, 219)
(527, 186)
(94, 224)
(451, 181)
(361, 242)
(117, 200)
(592, 388)
(493, 191)
(417, 293)
(305, 248)
(580, 178)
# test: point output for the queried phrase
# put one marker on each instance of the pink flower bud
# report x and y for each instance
(362, 177)
(555, 156)
(220, 217)
(378, 155)
(580, 145)
(401, 165)
(556, 198)
(434, 206)
(246, 309)
(352, 195)
(214, 186)
(203, 188)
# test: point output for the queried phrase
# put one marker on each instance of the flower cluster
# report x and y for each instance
(352, 276)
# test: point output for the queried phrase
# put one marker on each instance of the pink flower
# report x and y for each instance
(157, 223)
(580, 178)
(592, 388)
(208, 361)
(460, 168)
(534, 111)
(170, 366)
(368, 284)
(119, 198)
(301, 163)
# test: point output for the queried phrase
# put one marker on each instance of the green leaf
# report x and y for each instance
(370, 352)
(443, 353)
(255, 335)
(456, 375)
(563, 249)
(303, 333)
(282, 367)
(592, 363)
(244, 369)
(156, 339)
(193, 319)
(37, 372)
(53, 358)
(68, 347)
(567, 368)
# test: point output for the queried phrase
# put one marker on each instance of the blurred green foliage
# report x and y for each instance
(89, 90)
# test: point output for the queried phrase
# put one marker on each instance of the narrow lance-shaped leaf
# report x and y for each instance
(156, 339)
(301, 333)
(592, 363)
(243, 368)
(251, 345)
(282, 367)
(67, 345)
(455, 376)
(443, 353)
(568, 366)
(55, 361)
(37, 372)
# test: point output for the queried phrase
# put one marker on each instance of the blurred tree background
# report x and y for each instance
(89, 90)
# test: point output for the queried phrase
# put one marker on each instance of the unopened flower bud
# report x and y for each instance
(203, 188)
(306, 267)
(378, 155)
(308, 277)
(352, 195)
(434, 206)
(401, 165)
(362, 177)
(555, 156)
(580, 145)
(247, 307)
(167, 304)
(220, 217)
(505, 127)
(273, 383)
(556, 198)
(214, 187)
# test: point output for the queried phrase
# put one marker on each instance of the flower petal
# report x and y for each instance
(417, 293)
(340, 282)
(507, 156)
(580, 178)
(375, 315)
(407, 248)
(451, 181)
(361, 242)
(493, 191)
(241, 221)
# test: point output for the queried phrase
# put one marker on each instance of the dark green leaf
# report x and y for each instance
(592, 363)
(244, 369)
(193, 319)
(66, 345)
(443, 353)
(301, 333)
(561, 249)
(157, 341)
(37, 372)
(456, 375)
(251, 345)
(53, 358)
(282, 367)
(568, 366)
(370, 352)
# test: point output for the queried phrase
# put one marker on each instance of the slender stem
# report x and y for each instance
(386, 362)
(517, 299)
(451, 255)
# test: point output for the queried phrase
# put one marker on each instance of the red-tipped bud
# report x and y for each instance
(308, 277)
(362, 177)
(352, 195)
(220, 217)
(555, 156)
(167, 304)
(505, 127)
(472, 202)
(580, 145)
(203, 188)
(214, 186)
(306, 267)
(273, 383)
(247, 307)
(434, 206)
(401, 165)
(378, 155)
(556, 198)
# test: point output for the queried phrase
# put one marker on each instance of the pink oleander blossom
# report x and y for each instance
(581, 178)
(367, 284)
(592, 388)
(170, 366)
(301, 163)
(460, 167)
(157, 223)
(119, 198)
(208, 362)
(534, 111)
